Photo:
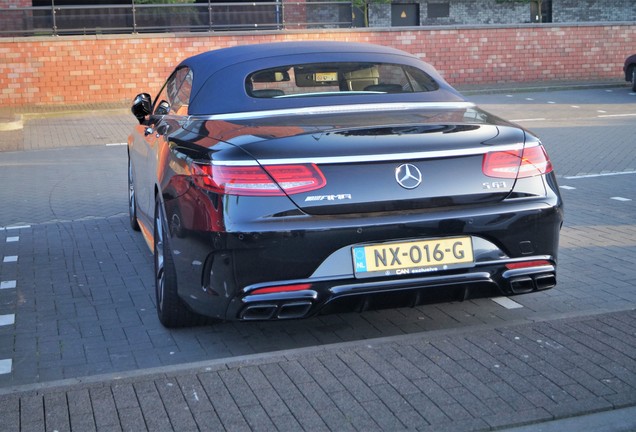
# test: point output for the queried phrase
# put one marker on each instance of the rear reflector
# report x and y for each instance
(528, 162)
(526, 264)
(281, 288)
(273, 180)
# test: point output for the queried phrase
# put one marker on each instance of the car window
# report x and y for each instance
(322, 79)
(174, 97)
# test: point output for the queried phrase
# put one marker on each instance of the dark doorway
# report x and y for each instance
(405, 14)
(541, 11)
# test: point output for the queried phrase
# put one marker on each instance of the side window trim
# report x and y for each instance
(164, 93)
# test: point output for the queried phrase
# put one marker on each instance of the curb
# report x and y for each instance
(539, 87)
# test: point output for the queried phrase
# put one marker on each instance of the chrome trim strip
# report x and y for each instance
(373, 158)
(308, 294)
(338, 109)
(527, 271)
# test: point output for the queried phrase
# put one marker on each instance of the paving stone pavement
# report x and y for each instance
(62, 129)
(476, 379)
(430, 368)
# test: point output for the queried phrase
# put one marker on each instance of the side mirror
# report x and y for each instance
(141, 106)
(163, 108)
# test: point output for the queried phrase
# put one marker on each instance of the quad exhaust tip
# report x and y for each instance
(526, 284)
(289, 310)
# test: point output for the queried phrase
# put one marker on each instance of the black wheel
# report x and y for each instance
(171, 310)
(132, 199)
(634, 78)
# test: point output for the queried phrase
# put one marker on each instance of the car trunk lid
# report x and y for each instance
(384, 160)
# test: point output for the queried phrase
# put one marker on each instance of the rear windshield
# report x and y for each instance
(329, 79)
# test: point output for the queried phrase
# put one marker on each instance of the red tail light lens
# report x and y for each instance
(526, 264)
(272, 180)
(528, 162)
(282, 288)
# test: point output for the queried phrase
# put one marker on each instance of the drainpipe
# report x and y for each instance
(53, 17)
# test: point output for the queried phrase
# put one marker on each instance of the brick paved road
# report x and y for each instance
(80, 299)
(457, 380)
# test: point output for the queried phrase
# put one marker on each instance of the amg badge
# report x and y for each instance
(338, 197)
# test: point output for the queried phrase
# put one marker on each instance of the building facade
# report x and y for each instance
(471, 12)
(212, 15)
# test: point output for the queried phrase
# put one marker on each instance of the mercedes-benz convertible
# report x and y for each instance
(277, 181)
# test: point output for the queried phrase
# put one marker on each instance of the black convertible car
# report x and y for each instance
(275, 181)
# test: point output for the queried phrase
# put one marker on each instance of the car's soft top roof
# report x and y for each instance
(213, 61)
(219, 76)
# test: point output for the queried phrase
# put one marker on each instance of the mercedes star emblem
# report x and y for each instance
(408, 176)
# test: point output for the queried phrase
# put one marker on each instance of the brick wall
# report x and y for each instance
(15, 3)
(90, 69)
(13, 19)
(294, 14)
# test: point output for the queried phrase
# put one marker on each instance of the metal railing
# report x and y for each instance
(190, 17)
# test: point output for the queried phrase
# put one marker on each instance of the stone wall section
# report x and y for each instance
(471, 12)
(593, 10)
(467, 12)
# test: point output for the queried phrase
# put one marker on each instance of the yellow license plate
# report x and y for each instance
(412, 257)
(326, 76)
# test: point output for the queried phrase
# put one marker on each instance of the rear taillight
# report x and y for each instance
(271, 180)
(528, 162)
(526, 264)
(282, 289)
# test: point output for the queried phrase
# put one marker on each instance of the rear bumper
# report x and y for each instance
(352, 294)
(218, 272)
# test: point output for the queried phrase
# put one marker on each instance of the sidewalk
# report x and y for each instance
(478, 379)
(62, 129)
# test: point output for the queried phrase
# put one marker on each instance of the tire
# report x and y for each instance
(132, 199)
(171, 310)
(634, 78)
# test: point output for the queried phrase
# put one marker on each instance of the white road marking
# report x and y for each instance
(620, 199)
(5, 366)
(10, 259)
(17, 227)
(599, 175)
(551, 102)
(601, 111)
(529, 99)
(116, 144)
(567, 187)
(13, 239)
(506, 302)
(575, 106)
(528, 120)
(8, 284)
(617, 115)
(7, 319)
